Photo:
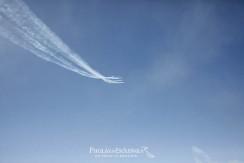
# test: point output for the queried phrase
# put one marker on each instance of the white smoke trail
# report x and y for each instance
(22, 27)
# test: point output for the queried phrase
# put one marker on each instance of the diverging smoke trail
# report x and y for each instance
(22, 27)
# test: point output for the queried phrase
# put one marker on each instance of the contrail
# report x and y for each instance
(22, 27)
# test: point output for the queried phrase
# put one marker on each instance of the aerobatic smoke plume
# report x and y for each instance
(22, 27)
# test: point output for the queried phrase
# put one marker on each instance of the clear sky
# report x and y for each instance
(182, 63)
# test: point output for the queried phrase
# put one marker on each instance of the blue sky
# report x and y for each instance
(182, 63)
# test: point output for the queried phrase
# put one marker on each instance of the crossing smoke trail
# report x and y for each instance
(22, 27)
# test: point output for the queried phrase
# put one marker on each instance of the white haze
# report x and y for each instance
(202, 157)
